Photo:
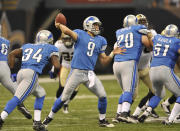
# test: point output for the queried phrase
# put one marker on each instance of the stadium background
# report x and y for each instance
(22, 19)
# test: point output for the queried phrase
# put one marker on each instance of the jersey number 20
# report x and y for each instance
(128, 39)
(37, 56)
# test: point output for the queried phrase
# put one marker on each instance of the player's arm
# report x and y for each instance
(147, 36)
(55, 63)
(147, 41)
(105, 60)
(17, 53)
(67, 31)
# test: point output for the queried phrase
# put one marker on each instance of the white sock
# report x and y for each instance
(4, 115)
(102, 116)
(119, 108)
(137, 111)
(175, 111)
(37, 115)
(126, 106)
(67, 102)
(147, 103)
(51, 114)
(166, 102)
(147, 111)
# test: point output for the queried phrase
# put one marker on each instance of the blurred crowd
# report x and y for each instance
(166, 3)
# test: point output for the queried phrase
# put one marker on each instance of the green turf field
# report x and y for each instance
(83, 114)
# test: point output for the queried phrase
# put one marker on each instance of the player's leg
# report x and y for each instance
(129, 82)
(27, 81)
(40, 94)
(158, 78)
(76, 77)
(98, 89)
(144, 76)
(173, 86)
(166, 104)
(5, 77)
(12, 86)
(118, 77)
(62, 80)
(66, 106)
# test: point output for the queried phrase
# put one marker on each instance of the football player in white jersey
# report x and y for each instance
(66, 50)
(143, 70)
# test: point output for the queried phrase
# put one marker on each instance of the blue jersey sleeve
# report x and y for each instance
(78, 32)
(104, 45)
(53, 51)
(139, 27)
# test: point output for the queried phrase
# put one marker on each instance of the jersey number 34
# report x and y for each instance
(28, 53)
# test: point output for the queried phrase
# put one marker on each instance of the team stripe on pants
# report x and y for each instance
(30, 88)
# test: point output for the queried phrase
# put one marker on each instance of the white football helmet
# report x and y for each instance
(67, 40)
(171, 31)
(44, 36)
(130, 20)
(89, 22)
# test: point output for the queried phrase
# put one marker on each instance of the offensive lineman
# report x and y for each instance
(125, 66)
(143, 71)
(166, 50)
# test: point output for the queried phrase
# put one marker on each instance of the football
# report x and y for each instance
(60, 18)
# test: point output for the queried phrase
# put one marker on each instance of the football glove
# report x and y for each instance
(14, 77)
(52, 75)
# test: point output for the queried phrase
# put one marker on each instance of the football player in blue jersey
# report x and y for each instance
(166, 50)
(143, 72)
(34, 58)
(88, 47)
(5, 74)
(125, 66)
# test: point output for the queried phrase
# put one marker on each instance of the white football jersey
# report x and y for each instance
(145, 57)
(65, 53)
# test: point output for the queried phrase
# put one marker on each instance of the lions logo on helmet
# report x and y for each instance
(44, 36)
(89, 22)
(142, 19)
(171, 31)
(130, 20)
